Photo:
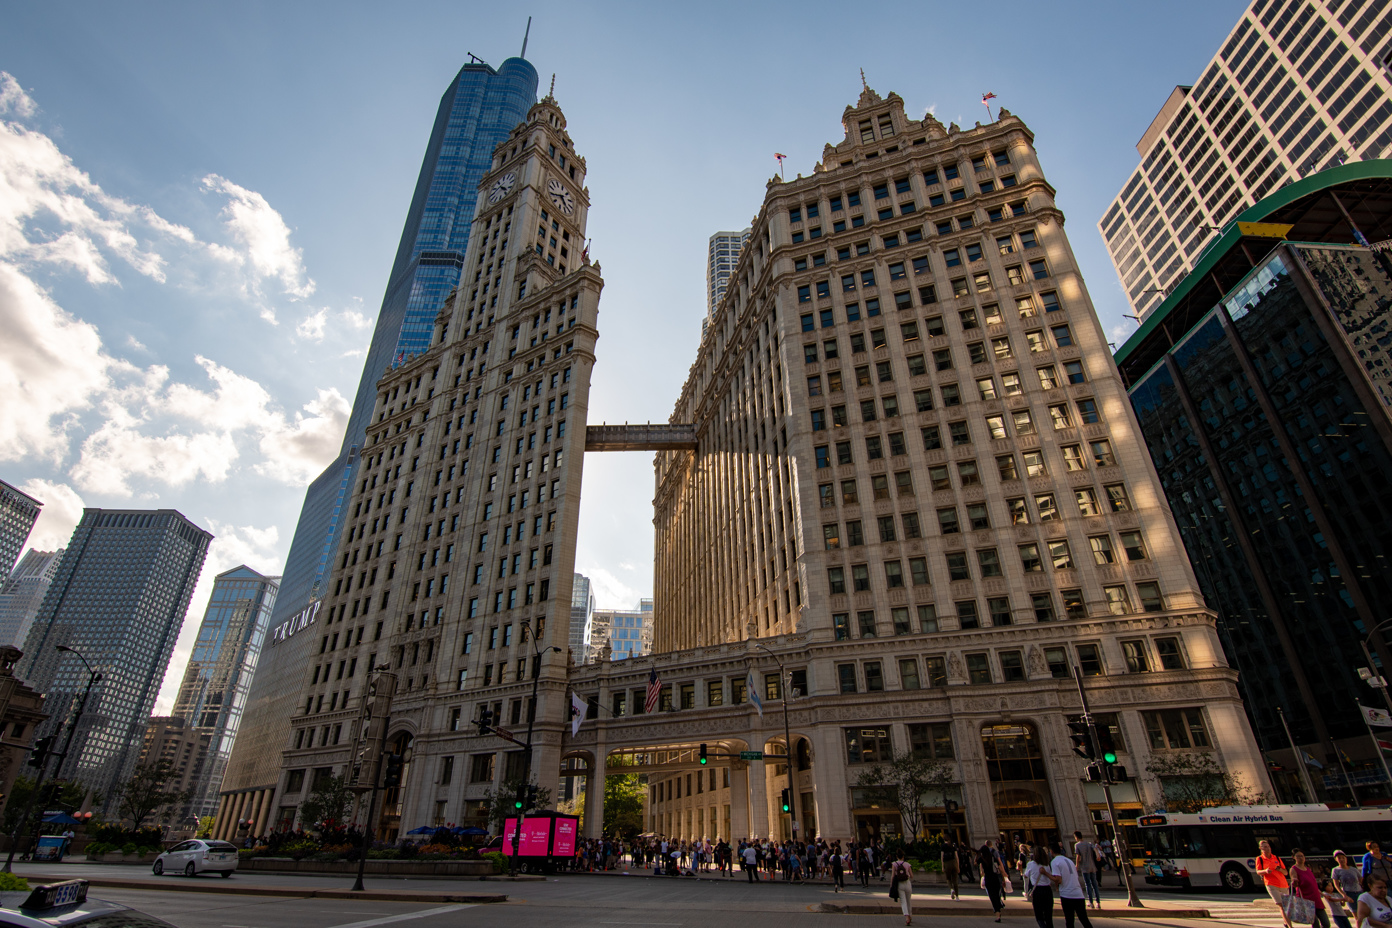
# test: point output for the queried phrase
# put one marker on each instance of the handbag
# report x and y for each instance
(1299, 910)
(1009, 888)
(894, 888)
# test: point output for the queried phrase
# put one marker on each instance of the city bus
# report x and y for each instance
(1218, 846)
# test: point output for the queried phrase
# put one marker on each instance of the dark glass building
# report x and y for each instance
(478, 110)
(1262, 386)
(118, 599)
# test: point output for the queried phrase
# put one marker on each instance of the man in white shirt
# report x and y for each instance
(1064, 875)
(751, 864)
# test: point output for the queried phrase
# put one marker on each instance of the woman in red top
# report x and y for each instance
(1304, 884)
(1273, 874)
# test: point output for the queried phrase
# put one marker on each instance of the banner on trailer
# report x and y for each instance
(564, 845)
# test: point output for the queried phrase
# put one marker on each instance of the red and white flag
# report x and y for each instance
(985, 97)
(654, 690)
(577, 713)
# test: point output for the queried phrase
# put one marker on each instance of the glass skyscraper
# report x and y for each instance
(213, 694)
(478, 110)
(119, 599)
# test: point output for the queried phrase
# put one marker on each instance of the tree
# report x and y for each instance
(500, 803)
(1190, 782)
(623, 805)
(68, 796)
(902, 783)
(150, 786)
(327, 804)
(205, 827)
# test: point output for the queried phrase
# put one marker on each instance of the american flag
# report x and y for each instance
(654, 690)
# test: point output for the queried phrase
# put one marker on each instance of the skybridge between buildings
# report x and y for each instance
(645, 436)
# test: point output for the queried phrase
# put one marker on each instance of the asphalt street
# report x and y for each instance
(585, 901)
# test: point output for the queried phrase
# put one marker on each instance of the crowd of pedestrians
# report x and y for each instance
(1349, 893)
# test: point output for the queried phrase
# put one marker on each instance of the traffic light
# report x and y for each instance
(1107, 744)
(532, 796)
(787, 806)
(485, 720)
(1081, 737)
(392, 777)
(38, 754)
(1117, 773)
(519, 803)
(1095, 773)
(704, 759)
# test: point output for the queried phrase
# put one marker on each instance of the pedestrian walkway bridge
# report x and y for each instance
(644, 436)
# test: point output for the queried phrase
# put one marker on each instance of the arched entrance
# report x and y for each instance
(1019, 782)
(802, 791)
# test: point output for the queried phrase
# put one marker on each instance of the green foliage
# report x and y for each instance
(66, 794)
(499, 860)
(9, 883)
(902, 784)
(205, 827)
(623, 805)
(1190, 782)
(118, 836)
(328, 804)
(500, 803)
(300, 849)
(150, 786)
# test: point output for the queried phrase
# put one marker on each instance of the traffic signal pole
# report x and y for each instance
(376, 717)
(1118, 834)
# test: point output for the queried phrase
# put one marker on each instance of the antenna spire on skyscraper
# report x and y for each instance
(863, 84)
(525, 36)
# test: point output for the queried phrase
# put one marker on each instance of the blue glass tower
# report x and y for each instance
(478, 110)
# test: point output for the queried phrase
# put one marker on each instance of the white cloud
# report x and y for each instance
(609, 591)
(297, 451)
(264, 235)
(13, 98)
(356, 319)
(232, 546)
(311, 327)
(51, 367)
(61, 512)
(137, 344)
(931, 110)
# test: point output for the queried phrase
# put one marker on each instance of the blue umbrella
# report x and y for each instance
(470, 831)
(423, 830)
(60, 818)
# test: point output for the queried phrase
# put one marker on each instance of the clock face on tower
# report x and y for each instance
(564, 200)
(501, 187)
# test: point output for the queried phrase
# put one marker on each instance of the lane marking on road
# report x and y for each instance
(387, 920)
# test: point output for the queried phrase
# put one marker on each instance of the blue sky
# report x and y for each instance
(199, 204)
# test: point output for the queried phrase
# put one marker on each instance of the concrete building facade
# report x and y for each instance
(1295, 88)
(188, 750)
(119, 599)
(21, 713)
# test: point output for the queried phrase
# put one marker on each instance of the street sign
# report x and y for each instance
(751, 755)
(507, 735)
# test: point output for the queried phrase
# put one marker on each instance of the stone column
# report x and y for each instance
(253, 810)
(220, 820)
(267, 806)
(238, 805)
(739, 801)
(594, 793)
(758, 799)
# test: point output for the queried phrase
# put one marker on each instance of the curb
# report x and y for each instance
(297, 892)
(863, 909)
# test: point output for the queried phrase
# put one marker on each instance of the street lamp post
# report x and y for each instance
(538, 651)
(787, 739)
(93, 678)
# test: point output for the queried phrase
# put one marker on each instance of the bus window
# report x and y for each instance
(1157, 842)
(1231, 841)
(1273, 833)
(1314, 840)
(1190, 841)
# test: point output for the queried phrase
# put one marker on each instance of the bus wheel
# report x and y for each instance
(1234, 878)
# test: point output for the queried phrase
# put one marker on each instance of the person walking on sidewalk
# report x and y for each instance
(1273, 874)
(901, 882)
(992, 876)
(1039, 887)
(1086, 858)
(1070, 891)
(951, 864)
(838, 869)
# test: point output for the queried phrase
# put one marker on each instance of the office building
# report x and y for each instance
(622, 633)
(1295, 88)
(213, 695)
(118, 600)
(723, 254)
(458, 565)
(582, 607)
(1262, 387)
(917, 502)
(22, 595)
(479, 108)
(21, 712)
(187, 749)
(18, 513)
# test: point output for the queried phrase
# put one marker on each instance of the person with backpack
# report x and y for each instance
(901, 886)
(1086, 858)
(951, 864)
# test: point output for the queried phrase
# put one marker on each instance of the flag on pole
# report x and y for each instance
(577, 713)
(654, 690)
(1305, 756)
(1383, 743)
(754, 693)
(1379, 717)
(985, 97)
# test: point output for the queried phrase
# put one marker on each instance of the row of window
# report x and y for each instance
(901, 186)
(1015, 275)
(1037, 341)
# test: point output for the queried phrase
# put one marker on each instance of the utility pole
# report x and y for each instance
(372, 741)
(784, 685)
(1118, 834)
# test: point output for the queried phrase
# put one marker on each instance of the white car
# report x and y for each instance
(194, 857)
